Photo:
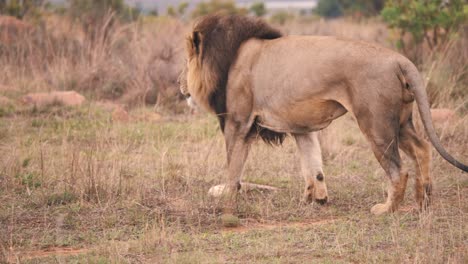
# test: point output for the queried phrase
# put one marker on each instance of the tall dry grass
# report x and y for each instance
(138, 63)
(135, 63)
(446, 73)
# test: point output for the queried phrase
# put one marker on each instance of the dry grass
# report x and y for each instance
(136, 63)
(137, 192)
(77, 187)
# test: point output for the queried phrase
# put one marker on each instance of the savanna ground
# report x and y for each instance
(77, 186)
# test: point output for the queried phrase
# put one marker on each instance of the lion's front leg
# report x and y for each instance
(237, 148)
(311, 165)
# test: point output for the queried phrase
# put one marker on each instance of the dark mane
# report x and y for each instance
(222, 38)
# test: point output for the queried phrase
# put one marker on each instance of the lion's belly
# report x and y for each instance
(300, 117)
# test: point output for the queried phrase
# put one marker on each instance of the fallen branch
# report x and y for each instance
(218, 190)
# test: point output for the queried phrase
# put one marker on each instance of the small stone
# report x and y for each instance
(230, 220)
(120, 115)
(66, 98)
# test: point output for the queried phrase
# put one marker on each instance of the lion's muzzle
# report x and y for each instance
(191, 103)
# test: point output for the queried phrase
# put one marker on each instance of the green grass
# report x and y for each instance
(137, 192)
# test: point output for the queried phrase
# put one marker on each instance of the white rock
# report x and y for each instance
(217, 191)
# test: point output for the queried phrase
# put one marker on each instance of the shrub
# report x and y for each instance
(329, 8)
(98, 17)
(258, 8)
(19, 9)
(281, 17)
(427, 21)
(217, 6)
(356, 8)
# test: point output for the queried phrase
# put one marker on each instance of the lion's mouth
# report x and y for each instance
(191, 103)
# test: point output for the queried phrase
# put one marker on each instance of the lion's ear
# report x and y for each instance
(196, 41)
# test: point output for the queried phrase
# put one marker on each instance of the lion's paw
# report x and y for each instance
(379, 209)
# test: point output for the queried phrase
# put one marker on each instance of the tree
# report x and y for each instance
(154, 12)
(217, 6)
(258, 8)
(171, 11)
(281, 17)
(329, 8)
(179, 12)
(98, 17)
(427, 21)
(335, 8)
(20, 8)
(93, 10)
(182, 8)
(362, 7)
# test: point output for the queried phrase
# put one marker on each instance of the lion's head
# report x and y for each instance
(211, 49)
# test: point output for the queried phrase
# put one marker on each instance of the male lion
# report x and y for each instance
(260, 83)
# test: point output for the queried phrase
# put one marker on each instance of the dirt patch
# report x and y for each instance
(246, 226)
(44, 253)
(408, 209)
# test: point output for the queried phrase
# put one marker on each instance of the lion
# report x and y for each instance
(260, 83)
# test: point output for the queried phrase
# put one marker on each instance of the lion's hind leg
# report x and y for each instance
(383, 136)
(420, 152)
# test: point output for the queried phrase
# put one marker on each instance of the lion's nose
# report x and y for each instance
(187, 96)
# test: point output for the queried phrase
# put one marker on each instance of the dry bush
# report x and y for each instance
(135, 63)
(446, 73)
(138, 63)
(11, 28)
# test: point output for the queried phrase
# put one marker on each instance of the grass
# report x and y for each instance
(137, 192)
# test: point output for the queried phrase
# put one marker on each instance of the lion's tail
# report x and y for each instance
(415, 84)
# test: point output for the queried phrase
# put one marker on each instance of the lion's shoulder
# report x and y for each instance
(215, 43)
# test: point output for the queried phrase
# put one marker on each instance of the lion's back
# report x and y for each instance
(326, 47)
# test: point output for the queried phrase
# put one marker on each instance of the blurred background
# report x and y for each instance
(101, 160)
(130, 51)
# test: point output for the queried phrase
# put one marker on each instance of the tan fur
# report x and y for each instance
(257, 81)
